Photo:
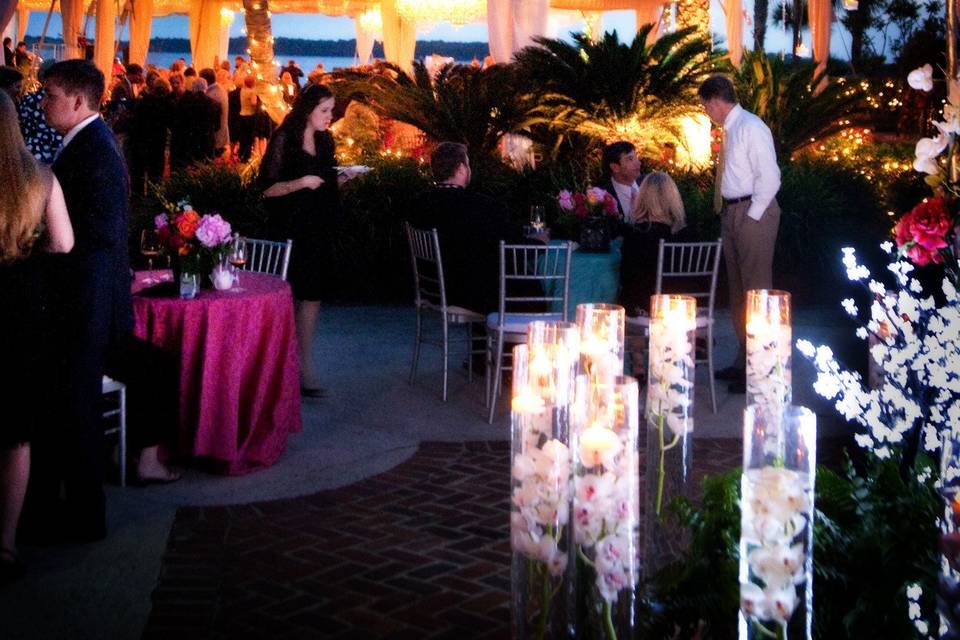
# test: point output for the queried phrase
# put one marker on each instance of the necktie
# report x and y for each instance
(718, 177)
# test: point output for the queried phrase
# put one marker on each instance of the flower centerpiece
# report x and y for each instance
(589, 216)
(195, 242)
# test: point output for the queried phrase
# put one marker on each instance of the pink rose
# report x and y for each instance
(565, 198)
(161, 220)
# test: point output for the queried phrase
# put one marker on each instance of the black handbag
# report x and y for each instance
(595, 235)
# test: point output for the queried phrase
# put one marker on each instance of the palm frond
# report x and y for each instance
(799, 104)
(607, 89)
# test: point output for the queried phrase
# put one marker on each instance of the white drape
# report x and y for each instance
(733, 10)
(650, 14)
(820, 16)
(141, 17)
(23, 17)
(399, 36)
(512, 25)
(204, 32)
(365, 42)
(104, 34)
(223, 46)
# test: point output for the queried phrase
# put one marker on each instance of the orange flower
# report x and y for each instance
(187, 224)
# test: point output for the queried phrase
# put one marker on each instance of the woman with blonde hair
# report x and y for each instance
(658, 214)
(658, 202)
(32, 216)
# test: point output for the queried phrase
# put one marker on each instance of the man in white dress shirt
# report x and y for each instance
(621, 169)
(748, 180)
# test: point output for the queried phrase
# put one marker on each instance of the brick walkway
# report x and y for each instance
(421, 551)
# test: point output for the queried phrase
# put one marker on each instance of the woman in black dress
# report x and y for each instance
(657, 214)
(299, 180)
(32, 216)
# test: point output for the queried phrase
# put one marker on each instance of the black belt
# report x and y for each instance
(729, 201)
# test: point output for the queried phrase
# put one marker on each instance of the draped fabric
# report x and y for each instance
(513, 24)
(7, 9)
(365, 41)
(204, 32)
(649, 15)
(603, 5)
(71, 11)
(820, 15)
(140, 20)
(733, 10)
(399, 36)
(23, 17)
(104, 36)
(500, 29)
(226, 20)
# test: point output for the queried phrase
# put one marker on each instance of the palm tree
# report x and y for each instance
(461, 103)
(797, 103)
(760, 10)
(608, 90)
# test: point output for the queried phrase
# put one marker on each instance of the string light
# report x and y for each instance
(456, 12)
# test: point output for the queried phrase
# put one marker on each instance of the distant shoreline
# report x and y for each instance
(303, 47)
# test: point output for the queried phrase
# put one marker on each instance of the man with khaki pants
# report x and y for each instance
(748, 179)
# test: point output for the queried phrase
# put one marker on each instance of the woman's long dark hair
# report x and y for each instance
(296, 121)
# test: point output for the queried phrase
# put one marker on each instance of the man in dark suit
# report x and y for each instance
(470, 226)
(91, 284)
(621, 175)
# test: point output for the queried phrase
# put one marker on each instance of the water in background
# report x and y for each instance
(307, 63)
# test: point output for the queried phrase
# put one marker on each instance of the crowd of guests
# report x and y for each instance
(65, 272)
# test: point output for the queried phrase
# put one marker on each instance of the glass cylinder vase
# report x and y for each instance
(601, 340)
(769, 348)
(669, 422)
(776, 523)
(541, 573)
(606, 502)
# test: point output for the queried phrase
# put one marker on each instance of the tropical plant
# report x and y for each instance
(224, 187)
(798, 103)
(461, 103)
(608, 90)
(874, 537)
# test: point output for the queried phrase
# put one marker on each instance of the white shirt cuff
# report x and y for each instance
(755, 211)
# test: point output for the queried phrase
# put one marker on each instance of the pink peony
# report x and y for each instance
(213, 231)
(161, 220)
(565, 198)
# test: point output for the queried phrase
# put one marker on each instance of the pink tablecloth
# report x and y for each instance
(239, 375)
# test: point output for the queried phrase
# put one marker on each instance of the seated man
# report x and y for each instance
(621, 175)
(470, 226)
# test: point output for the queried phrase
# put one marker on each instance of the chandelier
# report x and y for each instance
(456, 12)
(371, 22)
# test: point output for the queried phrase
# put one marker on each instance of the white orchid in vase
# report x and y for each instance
(541, 481)
(605, 501)
(670, 380)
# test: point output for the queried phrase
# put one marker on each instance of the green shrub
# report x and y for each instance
(875, 533)
(217, 187)
(825, 207)
(369, 249)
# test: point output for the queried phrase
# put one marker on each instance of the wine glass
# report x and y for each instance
(237, 254)
(537, 217)
(150, 247)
